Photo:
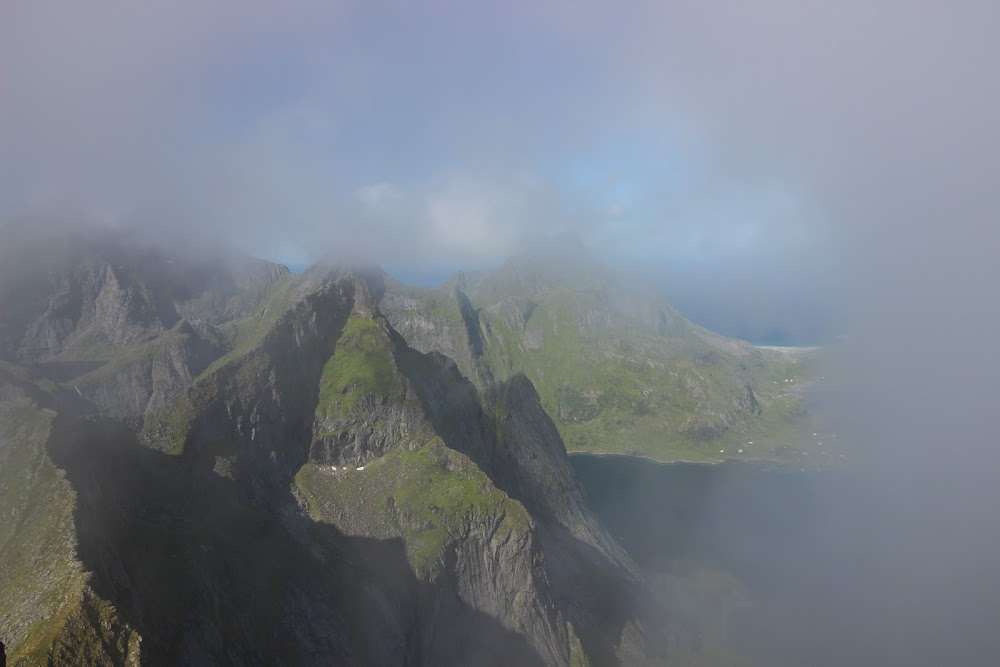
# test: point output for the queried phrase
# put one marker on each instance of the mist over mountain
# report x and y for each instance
(231, 431)
(173, 398)
(343, 437)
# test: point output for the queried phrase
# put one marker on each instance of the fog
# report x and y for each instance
(815, 168)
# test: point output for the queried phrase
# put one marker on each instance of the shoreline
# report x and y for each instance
(645, 457)
(790, 349)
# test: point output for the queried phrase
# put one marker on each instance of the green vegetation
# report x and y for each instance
(40, 582)
(427, 497)
(94, 634)
(167, 428)
(615, 381)
(577, 656)
(14, 372)
(362, 365)
(619, 389)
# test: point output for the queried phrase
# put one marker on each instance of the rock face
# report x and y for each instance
(365, 407)
(445, 323)
(151, 376)
(85, 298)
(124, 327)
(510, 437)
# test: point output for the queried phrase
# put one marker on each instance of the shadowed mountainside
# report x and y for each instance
(220, 462)
(292, 482)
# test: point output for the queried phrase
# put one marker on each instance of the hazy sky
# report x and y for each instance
(436, 134)
(757, 156)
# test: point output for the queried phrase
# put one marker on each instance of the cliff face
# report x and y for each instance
(152, 373)
(95, 303)
(85, 298)
(510, 437)
(447, 325)
(123, 329)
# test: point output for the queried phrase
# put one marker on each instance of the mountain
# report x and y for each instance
(120, 323)
(205, 459)
(617, 369)
(211, 461)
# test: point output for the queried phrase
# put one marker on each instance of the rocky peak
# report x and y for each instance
(330, 270)
(83, 297)
(124, 310)
(364, 302)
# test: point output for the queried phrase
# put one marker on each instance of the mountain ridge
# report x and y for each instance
(400, 444)
(234, 423)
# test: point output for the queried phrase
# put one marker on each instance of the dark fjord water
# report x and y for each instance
(749, 559)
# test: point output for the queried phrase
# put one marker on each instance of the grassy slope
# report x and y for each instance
(40, 580)
(612, 386)
(50, 614)
(623, 391)
(361, 365)
(167, 428)
(422, 496)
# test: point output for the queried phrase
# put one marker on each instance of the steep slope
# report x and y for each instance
(438, 321)
(618, 370)
(51, 613)
(141, 379)
(384, 442)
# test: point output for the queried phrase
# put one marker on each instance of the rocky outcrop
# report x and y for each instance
(514, 312)
(438, 322)
(365, 406)
(258, 409)
(253, 412)
(747, 404)
(369, 429)
(93, 304)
